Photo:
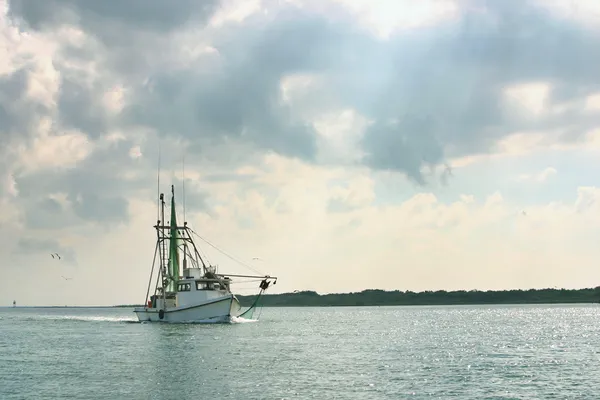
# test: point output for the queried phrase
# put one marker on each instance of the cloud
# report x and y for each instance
(539, 177)
(287, 115)
(453, 86)
(385, 17)
(351, 195)
(420, 243)
(331, 225)
(105, 19)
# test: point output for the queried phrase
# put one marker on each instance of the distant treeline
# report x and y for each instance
(374, 297)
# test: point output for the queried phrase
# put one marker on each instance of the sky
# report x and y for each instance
(347, 145)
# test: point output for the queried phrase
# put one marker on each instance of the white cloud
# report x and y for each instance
(49, 150)
(385, 17)
(114, 99)
(585, 12)
(530, 97)
(135, 152)
(593, 102)
(340, 133)
(44, 82)
(235, 11)
(538, 177)
(8, 184)
(522, 144)
(18, 48)
(355, 193)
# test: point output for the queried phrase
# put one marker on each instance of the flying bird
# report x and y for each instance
(54, 255)
(65, 278)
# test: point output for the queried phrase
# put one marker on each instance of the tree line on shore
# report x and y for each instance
(376, 297)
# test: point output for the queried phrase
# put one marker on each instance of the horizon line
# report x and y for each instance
(326, 294)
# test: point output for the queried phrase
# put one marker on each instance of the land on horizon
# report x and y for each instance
(377, 297)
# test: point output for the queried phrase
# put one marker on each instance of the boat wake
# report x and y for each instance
(242, 320)
(224, 320)
(79, 318)
(98, 318)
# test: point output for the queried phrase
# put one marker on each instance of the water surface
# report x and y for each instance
(463, 352)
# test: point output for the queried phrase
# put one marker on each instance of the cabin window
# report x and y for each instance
(204, 286)
(184, 287)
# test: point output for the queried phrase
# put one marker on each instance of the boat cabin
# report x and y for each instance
(194, 287)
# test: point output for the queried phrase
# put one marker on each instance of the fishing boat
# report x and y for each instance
(188, 288)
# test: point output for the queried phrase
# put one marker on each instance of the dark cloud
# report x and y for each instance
(105, 18)
(128, 38)
(432, 93)
(80, 107)
(19, 115)
(453, 77)
(406, 145)
(46, 213)
(99, 187)
(239, 101)
(96, 189)
(196, 197)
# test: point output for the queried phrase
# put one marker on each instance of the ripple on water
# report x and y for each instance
(468, 352)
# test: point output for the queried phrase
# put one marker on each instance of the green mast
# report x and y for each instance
(173, 253)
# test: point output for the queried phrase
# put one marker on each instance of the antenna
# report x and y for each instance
(183, 185)
(158, 183)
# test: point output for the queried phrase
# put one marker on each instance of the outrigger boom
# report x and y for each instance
(250, 276)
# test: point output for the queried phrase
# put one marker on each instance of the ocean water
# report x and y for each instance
(462, 352)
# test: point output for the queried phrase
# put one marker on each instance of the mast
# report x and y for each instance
(163, 268)
(174, 239)
(185, 246)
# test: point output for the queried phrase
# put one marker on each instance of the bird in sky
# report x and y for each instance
(55, 254)
(65, 278)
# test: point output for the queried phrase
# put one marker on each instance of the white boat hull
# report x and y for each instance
(211, 311)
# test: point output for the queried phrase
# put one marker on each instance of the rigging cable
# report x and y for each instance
(228, 255)
(183, 184)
